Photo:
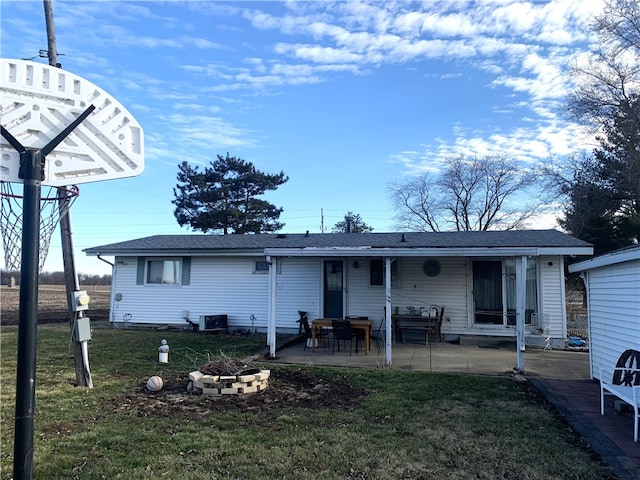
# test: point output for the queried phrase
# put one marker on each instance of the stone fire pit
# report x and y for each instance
(250, 381)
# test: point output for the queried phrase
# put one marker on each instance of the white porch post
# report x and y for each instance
(387, 317)
(521, 295)
(271, 322)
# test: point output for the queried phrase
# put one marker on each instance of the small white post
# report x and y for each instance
(163, 352)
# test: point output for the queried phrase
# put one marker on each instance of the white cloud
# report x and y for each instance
(193, 132)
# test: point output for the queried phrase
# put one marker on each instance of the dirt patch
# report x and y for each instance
(52, 304)
(287, 388)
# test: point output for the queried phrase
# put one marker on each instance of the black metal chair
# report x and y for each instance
(359, 333)
(377, 336)
(342, 331)
(304, 321)
(436, 330)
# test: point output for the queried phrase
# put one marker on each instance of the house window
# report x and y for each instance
(165, 271)
(494, 291)
(261, 266)
(377, 272)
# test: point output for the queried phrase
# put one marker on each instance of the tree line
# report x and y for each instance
(54, 278)
(599, 191)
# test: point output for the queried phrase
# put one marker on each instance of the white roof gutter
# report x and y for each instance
(606, 260)
(427, 252)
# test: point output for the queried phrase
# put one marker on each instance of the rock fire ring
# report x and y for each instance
(251, 381)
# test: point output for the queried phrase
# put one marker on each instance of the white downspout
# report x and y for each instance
(271, 323)
(586, 280)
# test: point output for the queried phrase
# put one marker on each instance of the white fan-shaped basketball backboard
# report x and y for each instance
(39, 101)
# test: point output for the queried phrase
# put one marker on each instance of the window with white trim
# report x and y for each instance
(261, 266)
(377, 267)
(163, 271)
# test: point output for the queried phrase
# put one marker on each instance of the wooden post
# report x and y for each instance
(83, 376)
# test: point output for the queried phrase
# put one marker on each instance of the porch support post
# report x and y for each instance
(387, 317)
(521, 294)
(271, 322)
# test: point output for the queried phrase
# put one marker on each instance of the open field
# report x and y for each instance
(52, 303)
(310, 422)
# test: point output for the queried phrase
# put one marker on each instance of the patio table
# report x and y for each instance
(357, 324)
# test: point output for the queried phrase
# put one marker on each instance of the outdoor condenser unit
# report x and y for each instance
(212, 322)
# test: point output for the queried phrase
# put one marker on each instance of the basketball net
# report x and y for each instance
(52, 208)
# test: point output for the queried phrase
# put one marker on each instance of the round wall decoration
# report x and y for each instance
(431, 268)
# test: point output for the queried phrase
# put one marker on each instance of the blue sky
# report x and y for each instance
(344, 97)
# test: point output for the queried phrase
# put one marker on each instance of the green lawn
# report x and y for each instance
(360, 423)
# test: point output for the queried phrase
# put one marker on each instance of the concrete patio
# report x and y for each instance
(488, 358)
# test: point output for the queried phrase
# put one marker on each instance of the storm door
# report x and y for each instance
(487, 292)
(333, 281)
(494, 292)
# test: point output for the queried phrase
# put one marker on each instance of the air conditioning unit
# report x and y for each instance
(210, 323)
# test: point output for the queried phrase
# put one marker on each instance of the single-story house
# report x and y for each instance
(488, 282)
(612, 282)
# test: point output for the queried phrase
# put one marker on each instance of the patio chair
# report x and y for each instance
(342, 331)
(377, 336)
(360, 335)
(436, 330)
(304, 321)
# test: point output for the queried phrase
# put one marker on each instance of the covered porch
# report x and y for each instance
(483, 292)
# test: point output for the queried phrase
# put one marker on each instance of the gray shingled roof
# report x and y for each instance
(203, 242)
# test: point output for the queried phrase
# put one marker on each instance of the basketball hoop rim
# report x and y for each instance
(63, 192)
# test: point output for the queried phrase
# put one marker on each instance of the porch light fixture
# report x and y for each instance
(355, 264)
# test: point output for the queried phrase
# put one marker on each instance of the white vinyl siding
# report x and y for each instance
(229, 285)
(298, 289)
(552, 311)
(614, 313)
(415, 289)
(217, 286)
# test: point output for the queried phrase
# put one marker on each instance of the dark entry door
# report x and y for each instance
(333, 289)
(487, 292)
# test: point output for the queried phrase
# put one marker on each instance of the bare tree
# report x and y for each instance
(601, 191)
(471, 194)
(415, 203)
(609, 77)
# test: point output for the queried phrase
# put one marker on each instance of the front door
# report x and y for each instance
(333, 289)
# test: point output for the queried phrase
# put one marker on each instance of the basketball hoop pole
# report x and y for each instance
(32, 163)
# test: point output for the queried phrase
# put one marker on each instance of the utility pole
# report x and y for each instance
(80, 348)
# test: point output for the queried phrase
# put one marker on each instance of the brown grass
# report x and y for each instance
(52, 303)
